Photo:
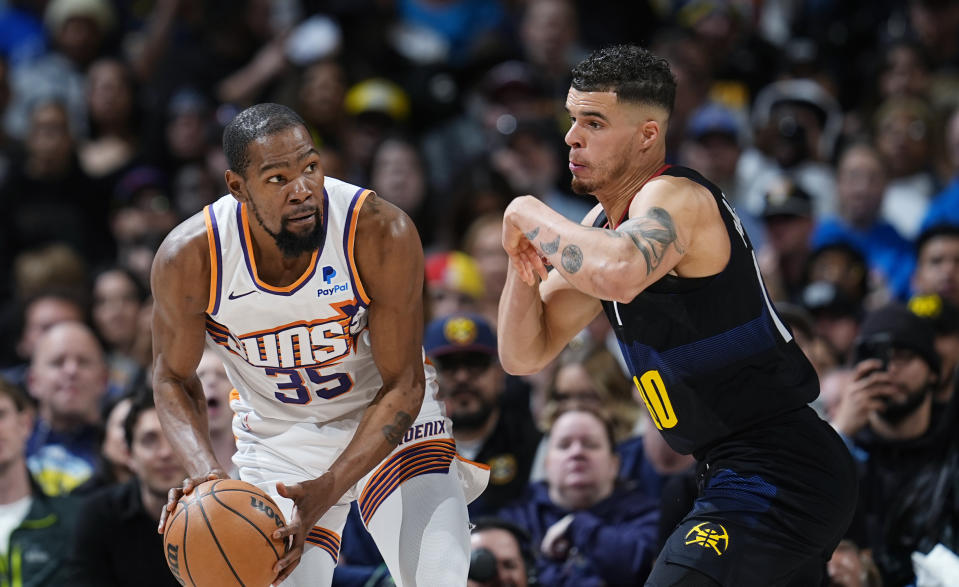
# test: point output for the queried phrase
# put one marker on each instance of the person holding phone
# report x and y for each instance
(886, 418)
(896, 367)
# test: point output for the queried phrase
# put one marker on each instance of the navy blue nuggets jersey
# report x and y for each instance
(709, 355)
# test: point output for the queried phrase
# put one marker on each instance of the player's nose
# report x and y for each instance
(299, 190)
(572, 137)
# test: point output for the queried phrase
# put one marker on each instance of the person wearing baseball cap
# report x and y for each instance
(887, 416)
(787, 215)
(488, 426)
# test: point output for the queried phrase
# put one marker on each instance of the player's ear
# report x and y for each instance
(235, 183)
(650, 131)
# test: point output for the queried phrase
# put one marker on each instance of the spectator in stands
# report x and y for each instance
(861, 183)
(904, 131)
(375, 108)
(39, 313)
(47, 197)
(78, 31)
(398, 175)
(483, 242)
(217, 389)
(549, 36)
(589, 531)
(320, 95)
(713, 145)
(118, 297)
(788, 218)
(453, 283)
(844, 266)
(937, 265)
(944, 208)
(114, 119)
(507, 560)
(944, 318)
(68, 379)
(36, 528)
(141, 216)
(885, 414)
(489, 426)
(797, 124)
(116, 542)
(113, 462)
(835, 316)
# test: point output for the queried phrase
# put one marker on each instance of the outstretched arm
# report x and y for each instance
(389, 258)
(180, 281)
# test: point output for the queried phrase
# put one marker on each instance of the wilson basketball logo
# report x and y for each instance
(259, 505)
(173, 560)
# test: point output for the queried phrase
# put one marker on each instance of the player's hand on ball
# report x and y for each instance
(175, 493)
(311, 499)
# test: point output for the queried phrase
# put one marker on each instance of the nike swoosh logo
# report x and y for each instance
(233, 297)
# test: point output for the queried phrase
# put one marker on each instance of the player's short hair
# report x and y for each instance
(633, 73)
(257, 121)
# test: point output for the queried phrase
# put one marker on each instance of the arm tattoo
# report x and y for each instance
(572, 258)
(652, 234)
(532, 234)
(551, 247)
(394, 432)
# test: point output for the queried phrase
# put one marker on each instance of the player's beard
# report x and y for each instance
(291, 244)
(585, 187)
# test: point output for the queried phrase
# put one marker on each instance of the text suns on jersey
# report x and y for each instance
(299, 344)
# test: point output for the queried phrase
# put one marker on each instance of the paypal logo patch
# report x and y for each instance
(328, 291)
(328, 273)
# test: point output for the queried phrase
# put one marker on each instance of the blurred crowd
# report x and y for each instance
(832, 127)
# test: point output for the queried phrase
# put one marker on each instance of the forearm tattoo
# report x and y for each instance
(394, 432)
(652, 234)
(572, 258)
(550, 247)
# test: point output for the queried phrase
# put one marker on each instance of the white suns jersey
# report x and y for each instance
(302, 352)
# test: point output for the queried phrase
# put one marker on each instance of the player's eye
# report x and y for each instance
(275, 179)
(311, 168)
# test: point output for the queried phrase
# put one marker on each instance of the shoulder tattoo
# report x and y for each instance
(652, 234)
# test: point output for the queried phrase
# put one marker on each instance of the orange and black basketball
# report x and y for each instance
(222, 534)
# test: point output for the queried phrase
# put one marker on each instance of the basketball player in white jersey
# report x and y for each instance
(310, 289)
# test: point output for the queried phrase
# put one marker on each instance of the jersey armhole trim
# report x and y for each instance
(216, 256)
(349, 243)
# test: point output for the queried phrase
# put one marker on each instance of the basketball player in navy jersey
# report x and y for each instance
(310, 291)
(667, 260)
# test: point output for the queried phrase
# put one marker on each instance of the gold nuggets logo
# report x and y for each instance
(708, 535)
(461, 331)
(502, 469)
